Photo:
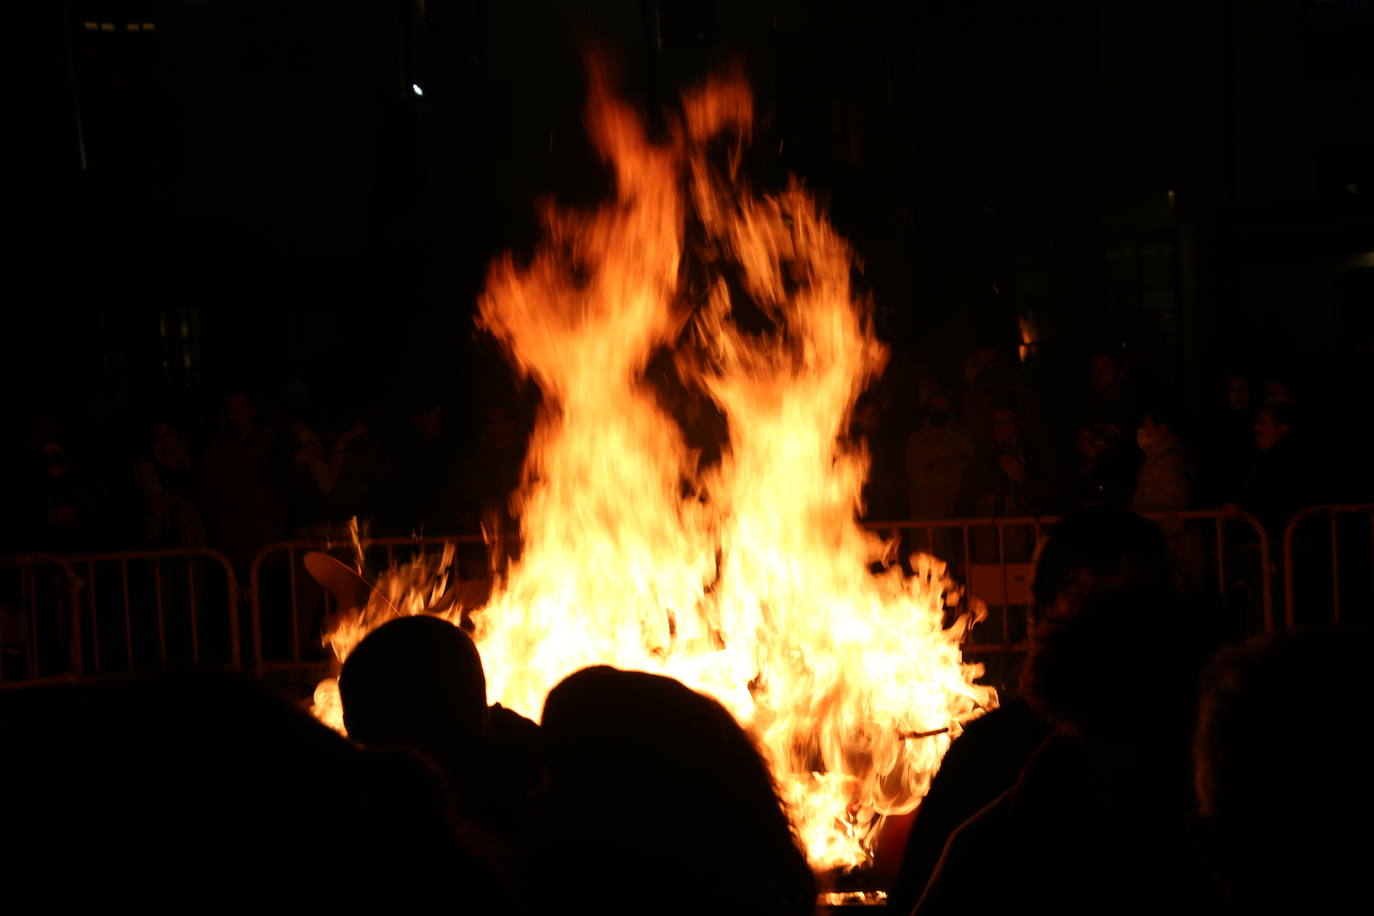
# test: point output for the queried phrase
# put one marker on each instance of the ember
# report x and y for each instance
(748, 579)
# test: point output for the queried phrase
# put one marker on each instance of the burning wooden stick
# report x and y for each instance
(908, 736)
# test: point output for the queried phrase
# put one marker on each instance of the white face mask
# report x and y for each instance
(1143, 439)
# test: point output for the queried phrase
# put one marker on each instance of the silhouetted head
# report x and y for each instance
(1114, 650)
(1279, 390)
(169, 447)
(1282, 769)
(1097, 549)
(1272, 424)
(241, 412)
(1159, 419)
(1105, 372)
(662, 783)
(1122, 666)
(1094, 440)
(414, 682)
(939, 407)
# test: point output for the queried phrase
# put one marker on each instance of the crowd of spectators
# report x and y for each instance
(990, 439)
(252, 469)
(1142, 769)
(1121, 774)
(996, 443)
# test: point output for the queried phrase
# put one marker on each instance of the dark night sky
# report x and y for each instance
(263, 173)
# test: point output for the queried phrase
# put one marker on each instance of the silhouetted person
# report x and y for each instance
(994, 380)
(1166, 483)
(1167, 475)
(241, 492)
(199, 788)
(1011, 478)
(337, 472)
(1282, 771)
(1101, 470)
(1230, 440)
(417, 682)
(658, 802)
(979, 765)
(1098, 820)
(1280, 481)
(1109, 401)
(1239, 394)
(937, 454)
(1282, 388)
(1091, 551)
(167, 482)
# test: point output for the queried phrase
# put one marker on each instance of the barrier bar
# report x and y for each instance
(195, 624)
(95, 621)
(128, 613)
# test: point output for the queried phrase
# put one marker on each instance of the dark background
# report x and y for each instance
(243, 193)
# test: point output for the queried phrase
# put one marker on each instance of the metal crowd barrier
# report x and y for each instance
(68, 617)
(990, 557)
(1349, 539)
(39, 617)
(993, 558)
(103, 613)
(148, 608)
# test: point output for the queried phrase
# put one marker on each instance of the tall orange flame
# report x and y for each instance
(749, 580)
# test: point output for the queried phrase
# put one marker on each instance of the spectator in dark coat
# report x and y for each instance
(241, 483)
(1280, 482)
